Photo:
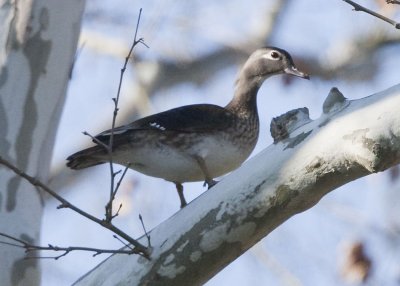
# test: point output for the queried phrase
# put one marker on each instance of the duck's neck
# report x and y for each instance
(244, 101)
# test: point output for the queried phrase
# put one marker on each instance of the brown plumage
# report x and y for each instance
(195, 142)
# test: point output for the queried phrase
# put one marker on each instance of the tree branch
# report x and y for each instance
(113, 190)
(138, 248)
(358, 7)
(31, 248)
(350, 140)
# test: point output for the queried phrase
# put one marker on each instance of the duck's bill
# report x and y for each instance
(294, 71)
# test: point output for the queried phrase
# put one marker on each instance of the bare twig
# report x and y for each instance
(109, 216)
(145, 231)
(138, 248)
(120, 180)
(95, 140)
(358, 7)
(117, 212)
(393, 2)
(30, 248)
(109, 213)
(120, 240)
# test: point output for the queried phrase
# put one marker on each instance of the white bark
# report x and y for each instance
(351, 139)
(37, 46)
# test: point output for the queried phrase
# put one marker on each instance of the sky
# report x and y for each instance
(305, 250)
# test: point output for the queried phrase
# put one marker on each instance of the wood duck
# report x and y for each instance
(197, 142)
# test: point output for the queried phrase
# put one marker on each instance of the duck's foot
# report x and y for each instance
(179, 188)
(210, 183)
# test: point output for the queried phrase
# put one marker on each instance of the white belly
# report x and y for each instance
(171, 164)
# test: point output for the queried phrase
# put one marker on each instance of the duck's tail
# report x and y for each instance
(86, 158)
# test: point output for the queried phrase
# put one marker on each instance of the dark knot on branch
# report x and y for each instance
(284, 124)
(334, 102)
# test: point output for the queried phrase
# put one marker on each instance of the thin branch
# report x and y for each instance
(120, 240)
(358, 7)
(145, 231)
(109, 213)
(109, 216)
(120, 180)
(138, 248)
(30, 248)
(392, 2)
(97, 141)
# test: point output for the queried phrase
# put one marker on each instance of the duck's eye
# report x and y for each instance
(274, 55)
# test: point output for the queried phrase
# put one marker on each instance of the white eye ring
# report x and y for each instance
(273, 55)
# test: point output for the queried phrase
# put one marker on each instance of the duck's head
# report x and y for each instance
(269, 61)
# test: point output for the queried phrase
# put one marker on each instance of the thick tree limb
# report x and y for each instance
(350, 140)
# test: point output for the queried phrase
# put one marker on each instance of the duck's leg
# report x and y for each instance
(179, 188)
(208, 179)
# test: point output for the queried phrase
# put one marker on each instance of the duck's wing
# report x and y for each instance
(185, 119)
